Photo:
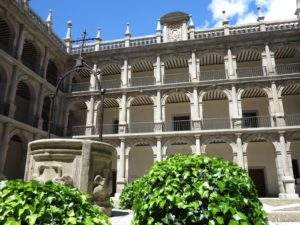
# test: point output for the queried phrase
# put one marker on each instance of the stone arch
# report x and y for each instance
(110, 117)
(261, 157)
(77, 114)
(31, 55)
(180, 92)
(211, 100)
(212, 58)
(24, 102)
(15, 159)
(256, 107)
(139, 123)
(176, 69)
(140, 157)
(7, 35)
(186, 142)
(52, 73)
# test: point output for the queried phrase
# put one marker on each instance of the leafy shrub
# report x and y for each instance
(32, 202)
(190, 189)
(130, 193)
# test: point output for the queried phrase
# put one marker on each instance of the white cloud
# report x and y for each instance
(272, 9)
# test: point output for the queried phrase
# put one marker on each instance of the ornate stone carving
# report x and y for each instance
(174, 32)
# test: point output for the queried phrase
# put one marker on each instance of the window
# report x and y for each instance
(116, 126)
(250, 119)
(295, 168)
(181, 123)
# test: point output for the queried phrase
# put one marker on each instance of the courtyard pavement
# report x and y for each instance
(281, 212)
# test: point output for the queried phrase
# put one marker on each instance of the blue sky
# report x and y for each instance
(111, 16)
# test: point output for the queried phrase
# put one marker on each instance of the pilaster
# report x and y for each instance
(90, 116)
(230, 65)
(125, 74)
(159, 71)
(194, 68)
(268, 62)
(122, 114)
(195, 111)
(198, 144)
(158, 148)
(158, 122)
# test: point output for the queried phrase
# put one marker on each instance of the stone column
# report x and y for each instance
(159, 71)
(4, 145)
(230, 65)
(194, 68)
(198, 145)
(286, 181)
(93, 83)
(276, 106)
(90, 116)
(235, 109)
(20, 43)
(44, 64)
(125, 74)
(268, 61)
(12, 92)
(121, 181)
(122, 114)
(158, 122)
(158, 148)
(40, 104)
(195, 111)
(239, 156)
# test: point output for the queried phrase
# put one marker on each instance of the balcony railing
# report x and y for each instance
(179, 125)
(142, 81)
(215, 123)
(256, 122)
(80, 130)
(141, 127)
(288, 68)
(110, 84)
(292, 119)
(243, 72)
(175, 78)
(206, 75)
(110, 129)
(80, 87)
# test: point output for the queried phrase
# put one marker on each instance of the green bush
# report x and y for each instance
(32, 202)
(130, 193)
(190, 189)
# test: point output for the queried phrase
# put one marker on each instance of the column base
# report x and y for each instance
(288, 196)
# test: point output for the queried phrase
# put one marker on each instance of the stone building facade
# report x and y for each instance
(232, 92)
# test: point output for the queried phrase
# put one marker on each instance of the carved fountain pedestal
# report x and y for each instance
(84, 164)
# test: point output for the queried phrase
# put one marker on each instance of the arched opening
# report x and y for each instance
(2, 90)
(176, 70)
(212, 67)
(291, 95)
(249, 64)
(142, 74)
(287, 60)
(110, 117)
(262, 167)
(212, 118)
(255, 108)
(23, 103)
(15, 159)
(141, 122)
(6, 36)
(140, 160)
(52, 73)
(177, 112)
(46, 112)
(178, 147)
(219, 149)
(111, 76)
(31, 56)
(77, 119)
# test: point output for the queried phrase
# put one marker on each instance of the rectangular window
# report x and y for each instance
(295, 168)
(181, 123)
(250, 119)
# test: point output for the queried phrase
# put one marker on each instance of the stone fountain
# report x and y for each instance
(84, 164)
